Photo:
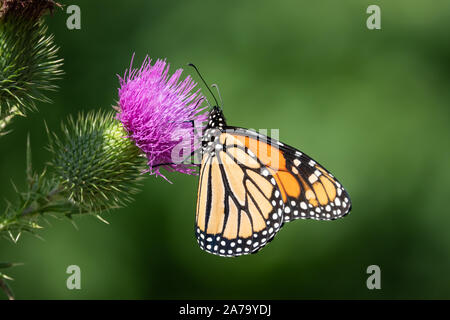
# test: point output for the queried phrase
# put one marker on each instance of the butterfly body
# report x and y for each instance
(250, 185)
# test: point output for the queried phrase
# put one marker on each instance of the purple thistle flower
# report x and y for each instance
(160, 114)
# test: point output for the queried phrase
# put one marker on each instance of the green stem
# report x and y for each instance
(31, 210)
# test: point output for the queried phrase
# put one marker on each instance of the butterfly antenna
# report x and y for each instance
(218, 92)
(198, 72)
(207, 102)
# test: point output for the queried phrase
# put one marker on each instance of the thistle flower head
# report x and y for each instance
(160, 114)
(97, 167)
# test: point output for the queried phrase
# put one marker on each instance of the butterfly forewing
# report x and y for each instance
(239, 207)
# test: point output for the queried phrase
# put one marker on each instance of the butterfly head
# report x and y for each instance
(216, 119)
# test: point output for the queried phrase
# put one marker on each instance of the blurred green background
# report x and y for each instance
(372, 106)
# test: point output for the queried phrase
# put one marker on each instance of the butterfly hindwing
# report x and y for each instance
(309, 190)
(322, 196)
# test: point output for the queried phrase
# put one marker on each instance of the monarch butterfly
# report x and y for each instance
(250, 185)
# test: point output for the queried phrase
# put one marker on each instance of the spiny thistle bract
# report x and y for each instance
(98, 168)
(28, 61)
(3, 277)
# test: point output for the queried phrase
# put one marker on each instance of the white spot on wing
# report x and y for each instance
(312, 178)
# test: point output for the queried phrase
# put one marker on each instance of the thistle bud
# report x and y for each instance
(28, 61)
(98, 168)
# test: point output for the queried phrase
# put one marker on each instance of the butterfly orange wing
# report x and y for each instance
(250, 185)
(309, 191)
